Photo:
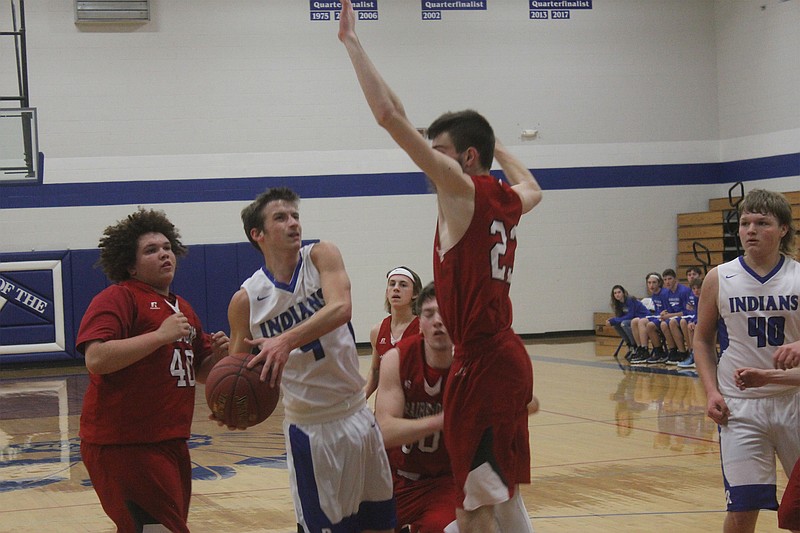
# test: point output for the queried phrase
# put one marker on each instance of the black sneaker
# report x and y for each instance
(640, 356)
(676, 357)
(659, 357)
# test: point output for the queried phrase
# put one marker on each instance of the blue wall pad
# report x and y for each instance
(33, 310)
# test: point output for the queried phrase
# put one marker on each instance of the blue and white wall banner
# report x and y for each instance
(555, 9)
(331, 10)
(31, 307)
(432, 9)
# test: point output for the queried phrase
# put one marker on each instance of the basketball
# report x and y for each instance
(236, 395)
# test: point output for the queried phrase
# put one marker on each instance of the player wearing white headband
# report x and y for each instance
(402, 288)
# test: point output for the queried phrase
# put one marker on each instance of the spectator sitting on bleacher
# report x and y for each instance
(626, 308)
(678, 327)
(678, 296)
(693, 273)
(644, 329)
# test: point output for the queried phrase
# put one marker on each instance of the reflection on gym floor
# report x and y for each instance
(678, 403)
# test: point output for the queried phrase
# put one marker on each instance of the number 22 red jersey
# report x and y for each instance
(474, 276)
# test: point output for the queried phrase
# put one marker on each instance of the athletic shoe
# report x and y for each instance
(659, 357)
(672, 357)
(640, 356)
(676, 357)
(688, 362)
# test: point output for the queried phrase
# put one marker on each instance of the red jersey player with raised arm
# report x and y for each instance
(490, 383)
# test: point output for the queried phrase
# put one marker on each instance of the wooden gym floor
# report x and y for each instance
(615, 449)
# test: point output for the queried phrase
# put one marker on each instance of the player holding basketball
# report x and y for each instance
(295, 311)
(145, 350)
(490, 383)
(402, 288)
(752, 304)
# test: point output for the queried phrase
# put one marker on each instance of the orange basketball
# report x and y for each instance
(236, 395)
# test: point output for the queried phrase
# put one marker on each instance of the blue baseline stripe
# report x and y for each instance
(389, 184)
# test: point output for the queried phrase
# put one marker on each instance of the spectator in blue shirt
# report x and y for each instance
(645, 329)
(626, 308)
(679, 297)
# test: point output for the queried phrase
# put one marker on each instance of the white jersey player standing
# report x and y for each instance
(751, 305)
(295, 312)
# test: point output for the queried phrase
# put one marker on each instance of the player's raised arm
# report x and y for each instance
(519, 176)
(388, 111)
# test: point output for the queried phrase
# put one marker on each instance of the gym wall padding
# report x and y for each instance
(207, 277)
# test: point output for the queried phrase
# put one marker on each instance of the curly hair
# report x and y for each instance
(120, 242)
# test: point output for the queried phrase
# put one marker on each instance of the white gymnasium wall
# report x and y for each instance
(206, 77)
(253, 88)
(759, 76)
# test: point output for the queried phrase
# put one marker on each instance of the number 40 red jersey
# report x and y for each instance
(151, 400)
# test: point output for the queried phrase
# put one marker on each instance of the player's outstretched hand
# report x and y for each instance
(219, 344)
(347, 21)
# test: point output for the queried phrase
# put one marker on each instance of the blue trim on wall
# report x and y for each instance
(390, 184)
(778, 166)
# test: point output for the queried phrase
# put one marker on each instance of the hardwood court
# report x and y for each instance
(615, 449)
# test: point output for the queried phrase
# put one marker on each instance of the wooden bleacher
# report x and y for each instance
(715, 232)
(712, 234)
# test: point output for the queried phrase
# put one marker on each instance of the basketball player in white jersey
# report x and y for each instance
(751, 305)
(294, 312)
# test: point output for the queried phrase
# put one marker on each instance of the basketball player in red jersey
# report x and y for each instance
(409, 412)
(402, 288)
(145, 350)
(490, 383)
